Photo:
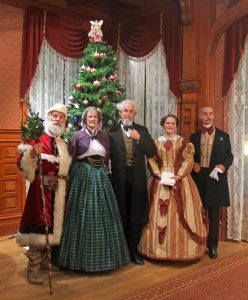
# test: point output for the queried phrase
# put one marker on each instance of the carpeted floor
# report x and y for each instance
(226, 279)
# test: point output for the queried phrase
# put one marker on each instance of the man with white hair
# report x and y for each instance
(130, 144)
(51, 155)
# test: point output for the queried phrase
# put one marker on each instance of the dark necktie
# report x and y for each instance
(168, 145)
(127, 127)
(92, 134)
(209, 130)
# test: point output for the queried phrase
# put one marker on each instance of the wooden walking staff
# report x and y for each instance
(46, 227)
(32, 129)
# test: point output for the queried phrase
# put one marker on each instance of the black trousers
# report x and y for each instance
(213, 211)
(213, 218)
(132, 230)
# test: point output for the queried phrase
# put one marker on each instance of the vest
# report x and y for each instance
(206, 149)
(129, 150)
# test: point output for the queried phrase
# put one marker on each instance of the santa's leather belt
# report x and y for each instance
(62, 177)
(58, 176)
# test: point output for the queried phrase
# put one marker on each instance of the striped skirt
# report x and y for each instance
(166, 236)
(93, 239)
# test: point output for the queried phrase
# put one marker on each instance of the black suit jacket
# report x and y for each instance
(213, 192)
(144, 148)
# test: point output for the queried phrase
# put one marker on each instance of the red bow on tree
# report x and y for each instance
(209, 130)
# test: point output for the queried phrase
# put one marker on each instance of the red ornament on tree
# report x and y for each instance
(103, 54)
(79, 86)
(113, 77)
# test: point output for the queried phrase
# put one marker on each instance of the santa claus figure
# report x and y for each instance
(49, 156)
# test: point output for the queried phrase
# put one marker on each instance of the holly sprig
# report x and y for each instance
(33, 127)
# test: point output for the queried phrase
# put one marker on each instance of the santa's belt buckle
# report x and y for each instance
(50, 182)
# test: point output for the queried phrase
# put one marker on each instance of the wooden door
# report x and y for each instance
(12, 186)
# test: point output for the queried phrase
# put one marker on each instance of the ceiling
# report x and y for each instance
(110, 10)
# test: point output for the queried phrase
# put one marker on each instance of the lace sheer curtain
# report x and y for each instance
(147, 82)
(238, 130)
(51, 83)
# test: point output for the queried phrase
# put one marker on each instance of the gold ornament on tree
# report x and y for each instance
(118, 93)
(96, 55)
(104, 97)
(96, 84)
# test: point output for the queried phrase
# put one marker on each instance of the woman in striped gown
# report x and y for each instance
(177, 225)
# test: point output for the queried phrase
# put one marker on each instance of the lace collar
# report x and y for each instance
(162, 138)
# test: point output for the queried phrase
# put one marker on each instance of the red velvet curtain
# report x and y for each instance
(234, 44)
(33, 34)
(69, 36)
(139, 37)
(110, 34)
(172, 37)
(66, 34)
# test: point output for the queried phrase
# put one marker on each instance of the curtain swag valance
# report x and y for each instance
(68, 36)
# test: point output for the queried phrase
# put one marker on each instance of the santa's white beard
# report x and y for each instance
(55, 129)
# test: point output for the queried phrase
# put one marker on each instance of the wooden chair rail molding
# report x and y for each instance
(12, 185)
(10, 134)
(233, 14)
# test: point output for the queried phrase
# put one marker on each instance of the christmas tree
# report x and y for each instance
(97, 84)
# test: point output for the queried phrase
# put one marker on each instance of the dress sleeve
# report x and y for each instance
(73, 148)
(153, 162)
(188, 160)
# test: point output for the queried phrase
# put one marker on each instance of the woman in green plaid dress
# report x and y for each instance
(93, 239)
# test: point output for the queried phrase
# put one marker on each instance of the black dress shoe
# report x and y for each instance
(212, 253)
(137, 259)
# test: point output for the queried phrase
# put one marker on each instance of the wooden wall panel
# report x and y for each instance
(11, 22)
(196, 92)
(188, 106)
(12, 188)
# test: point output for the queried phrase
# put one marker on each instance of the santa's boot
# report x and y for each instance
(33, 268)
(44, 265)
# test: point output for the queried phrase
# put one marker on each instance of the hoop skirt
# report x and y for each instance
(93, 238)
(177, 228)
